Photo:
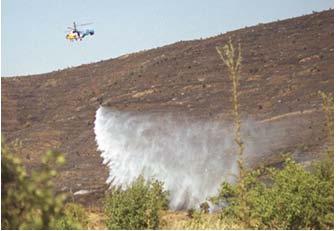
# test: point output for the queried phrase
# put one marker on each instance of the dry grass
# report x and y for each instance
(179, 220)
(96, 219)
(173, 219)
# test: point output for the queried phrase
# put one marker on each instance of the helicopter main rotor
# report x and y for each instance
(74, 28)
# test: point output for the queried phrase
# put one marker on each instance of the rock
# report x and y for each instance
(309, 59)
(82, 192)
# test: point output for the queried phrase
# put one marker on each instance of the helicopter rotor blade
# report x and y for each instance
(84, 24)
(75, 25)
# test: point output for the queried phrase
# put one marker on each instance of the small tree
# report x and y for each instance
(292, 198)
(136, 207)
(231, 57)
(29, 201)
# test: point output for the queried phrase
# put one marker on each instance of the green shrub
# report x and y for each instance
(288, 198)
(29, 201)
(73, 217)
(136, 207)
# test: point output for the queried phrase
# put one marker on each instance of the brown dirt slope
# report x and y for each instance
(284, 64)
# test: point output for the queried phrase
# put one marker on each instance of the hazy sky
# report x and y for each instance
(33, 31)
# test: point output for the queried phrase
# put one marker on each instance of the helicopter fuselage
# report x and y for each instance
(78, 35)
(72, 36)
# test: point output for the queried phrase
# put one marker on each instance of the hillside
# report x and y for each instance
(284, 65)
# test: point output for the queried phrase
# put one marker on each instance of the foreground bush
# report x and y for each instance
(29, 201)
(288, 198)
(137, 207)
(73, 217)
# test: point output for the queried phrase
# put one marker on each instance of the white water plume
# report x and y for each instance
(191, 157)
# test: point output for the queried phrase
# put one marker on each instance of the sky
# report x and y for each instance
(33, 31)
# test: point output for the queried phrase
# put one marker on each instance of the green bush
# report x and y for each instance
(136, 207)
(288, 198)
(29, 201)
(73, 217)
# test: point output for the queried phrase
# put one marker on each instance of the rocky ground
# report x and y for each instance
(285, 64)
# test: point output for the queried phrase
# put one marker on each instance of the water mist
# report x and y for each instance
(191, 158)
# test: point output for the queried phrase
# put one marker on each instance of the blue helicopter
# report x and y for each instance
(74, 34)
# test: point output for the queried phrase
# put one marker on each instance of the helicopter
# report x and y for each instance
(74, 34)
